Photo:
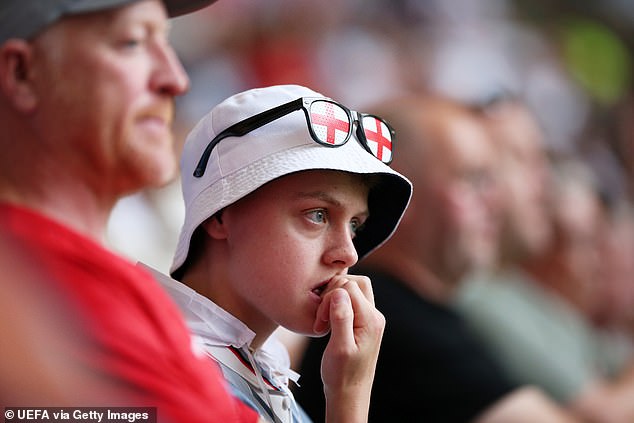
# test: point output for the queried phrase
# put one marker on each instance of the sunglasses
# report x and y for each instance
(329, 124)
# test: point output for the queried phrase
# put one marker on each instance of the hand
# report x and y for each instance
(350, 357)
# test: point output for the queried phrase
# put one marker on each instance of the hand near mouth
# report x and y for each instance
(349, 360)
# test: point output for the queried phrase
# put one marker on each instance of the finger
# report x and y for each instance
(365, 285)
(363, 282)
(322, 317)
(341, 320)
(361, 295)
(335, 282)
(361, 307)
(368, 322)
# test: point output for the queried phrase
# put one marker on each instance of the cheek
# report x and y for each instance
(144, 144)
(263, 247)
(473, 226)
(466, 210)
(85, 127)
(272, 274)
(105, 105)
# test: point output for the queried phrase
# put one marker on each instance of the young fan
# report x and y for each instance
(284, 191)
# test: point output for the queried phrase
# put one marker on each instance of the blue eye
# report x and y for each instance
(356, 226)
(317, 216)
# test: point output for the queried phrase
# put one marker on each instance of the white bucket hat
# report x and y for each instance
(240, 165)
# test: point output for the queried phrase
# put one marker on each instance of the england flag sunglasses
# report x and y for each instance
(329, 124)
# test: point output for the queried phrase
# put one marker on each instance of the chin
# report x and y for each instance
(302, 328)
(160, 171)
(166, 179)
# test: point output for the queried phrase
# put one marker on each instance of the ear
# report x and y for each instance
(15, 74)
(215, 227)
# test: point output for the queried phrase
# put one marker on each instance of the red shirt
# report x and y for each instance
(137, 343)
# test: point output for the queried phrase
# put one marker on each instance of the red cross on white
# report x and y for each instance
(378, 137)
(330, 122)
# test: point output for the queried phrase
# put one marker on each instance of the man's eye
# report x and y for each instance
(356, 226)
(130, 43)
(317, 216)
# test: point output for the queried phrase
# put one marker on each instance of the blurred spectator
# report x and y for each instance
(615, 305)
(613, 314)
(86, 102)
(431, 366)
(531, 311)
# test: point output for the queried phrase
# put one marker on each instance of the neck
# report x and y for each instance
(70, 204)
(41, 175)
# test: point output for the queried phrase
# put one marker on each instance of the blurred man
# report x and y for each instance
(87, 93)
(531, 310)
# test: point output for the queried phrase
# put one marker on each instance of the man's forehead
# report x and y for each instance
(88, 30)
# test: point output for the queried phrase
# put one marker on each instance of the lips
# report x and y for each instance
(162, 113)
(157, 120)
(318, 290)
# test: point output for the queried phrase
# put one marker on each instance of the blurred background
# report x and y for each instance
(571, 60)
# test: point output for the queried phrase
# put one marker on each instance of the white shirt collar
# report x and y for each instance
(217, 327)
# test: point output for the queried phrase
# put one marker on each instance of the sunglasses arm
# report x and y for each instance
(244, 127)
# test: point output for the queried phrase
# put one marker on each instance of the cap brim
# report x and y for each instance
(183, 7)
(22, 19)
(173, 7)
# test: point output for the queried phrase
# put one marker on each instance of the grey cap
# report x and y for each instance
(25, 18)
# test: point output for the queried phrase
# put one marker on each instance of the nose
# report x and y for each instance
(341, 251)
(169, 76)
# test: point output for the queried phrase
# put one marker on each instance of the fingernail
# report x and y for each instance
(340, 297)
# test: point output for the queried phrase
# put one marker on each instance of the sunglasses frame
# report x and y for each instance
(254, 122)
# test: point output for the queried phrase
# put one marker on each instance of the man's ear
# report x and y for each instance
(215, 227)
(15, 74)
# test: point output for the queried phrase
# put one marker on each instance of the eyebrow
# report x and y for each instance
(326, 197)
